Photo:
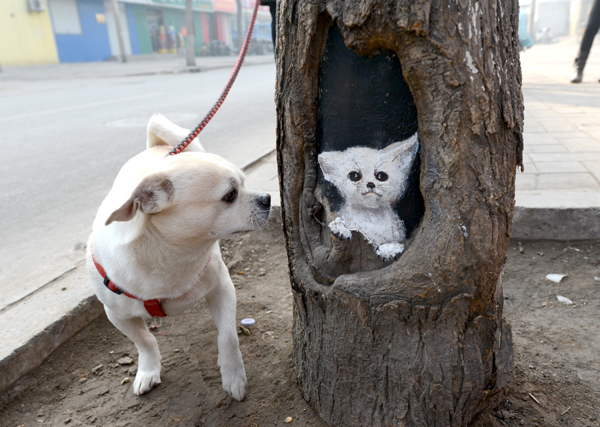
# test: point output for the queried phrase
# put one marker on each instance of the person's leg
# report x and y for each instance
(586, 43)
(273, 10)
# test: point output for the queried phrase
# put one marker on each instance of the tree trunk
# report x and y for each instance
(190, 39)
(238, 24)
(416, 340)
(122, 55)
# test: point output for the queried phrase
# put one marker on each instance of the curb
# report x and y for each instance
(192, 69)
(33, 353)
(556, 223)
(253, 163)
(45, 319)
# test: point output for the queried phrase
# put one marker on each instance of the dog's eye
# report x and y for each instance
(381, 176)
(354, 176)
(231, 196)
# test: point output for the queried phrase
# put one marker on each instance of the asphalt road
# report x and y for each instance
(64, 141)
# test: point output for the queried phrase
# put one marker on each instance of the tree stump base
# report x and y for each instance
(373, 360)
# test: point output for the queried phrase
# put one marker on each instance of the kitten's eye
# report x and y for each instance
(355, 176)
(231, 196)
(381, 176)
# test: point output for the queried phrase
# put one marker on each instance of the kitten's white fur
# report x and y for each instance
(371, 181)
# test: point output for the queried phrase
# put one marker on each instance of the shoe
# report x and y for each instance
(579, 66)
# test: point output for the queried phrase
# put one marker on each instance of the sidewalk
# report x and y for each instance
(558, 195)
(139, 65)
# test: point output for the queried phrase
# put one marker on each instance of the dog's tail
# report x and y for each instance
(161, 131)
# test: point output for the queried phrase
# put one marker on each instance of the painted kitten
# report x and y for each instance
(371, 182)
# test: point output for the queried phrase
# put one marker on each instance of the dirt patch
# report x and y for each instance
(557, 352)
(557, 345)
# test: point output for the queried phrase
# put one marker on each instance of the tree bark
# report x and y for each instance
(418, 341)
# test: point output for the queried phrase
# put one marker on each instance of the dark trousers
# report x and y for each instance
(273, 9)
(590, 31)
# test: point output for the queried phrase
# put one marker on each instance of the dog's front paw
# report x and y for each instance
(338, 228)
(145, 382)
(388, 251)
(234, 382)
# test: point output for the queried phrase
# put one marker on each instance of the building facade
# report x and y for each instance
(26, 35)
(86, 30)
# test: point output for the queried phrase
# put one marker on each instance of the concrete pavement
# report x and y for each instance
(558, 195)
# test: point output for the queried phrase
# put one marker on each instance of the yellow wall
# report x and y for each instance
(25, 38)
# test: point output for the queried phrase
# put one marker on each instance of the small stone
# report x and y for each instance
(97, 368)
(262, 271)
(82, 380)
(241, 272)
(64, 288)
(125, 361)
(246, 331)
(125, 380)
(289, 420)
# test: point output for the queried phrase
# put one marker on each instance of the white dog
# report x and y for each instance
(154, 250)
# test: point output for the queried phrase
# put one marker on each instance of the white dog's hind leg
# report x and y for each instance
(221, 302)
(148, 374)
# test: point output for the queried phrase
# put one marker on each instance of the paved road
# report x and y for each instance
(63, 142)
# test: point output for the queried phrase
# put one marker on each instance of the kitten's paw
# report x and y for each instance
(388, 251)
(338, 228)
(145, 382)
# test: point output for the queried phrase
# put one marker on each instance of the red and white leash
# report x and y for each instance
(194, 133)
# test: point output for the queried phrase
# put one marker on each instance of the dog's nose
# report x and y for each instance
(370, 185)
(265, 200)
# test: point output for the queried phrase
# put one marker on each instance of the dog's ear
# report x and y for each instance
(153, 194)
(161, 131)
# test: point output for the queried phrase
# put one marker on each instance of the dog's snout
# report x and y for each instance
(265, 200)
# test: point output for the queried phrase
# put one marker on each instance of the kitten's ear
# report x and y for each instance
(327, 161)
(403, 150)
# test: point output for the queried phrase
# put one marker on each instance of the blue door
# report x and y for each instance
(92, 43)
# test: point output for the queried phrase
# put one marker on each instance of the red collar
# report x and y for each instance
(152, 306)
